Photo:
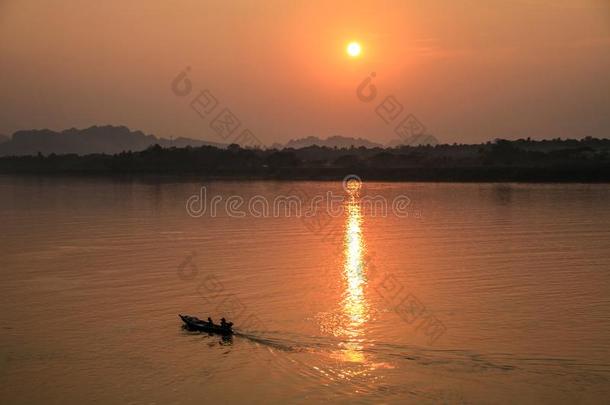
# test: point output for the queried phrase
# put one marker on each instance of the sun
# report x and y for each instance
(353, 49)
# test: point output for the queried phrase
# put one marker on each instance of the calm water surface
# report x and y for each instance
(478, 293)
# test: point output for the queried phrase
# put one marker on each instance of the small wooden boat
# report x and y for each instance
(194, 323)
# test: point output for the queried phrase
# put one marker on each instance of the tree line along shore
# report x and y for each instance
(586, 160)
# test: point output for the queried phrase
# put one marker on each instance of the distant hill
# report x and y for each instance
(336, 141)
(96, 139)
(414, 140)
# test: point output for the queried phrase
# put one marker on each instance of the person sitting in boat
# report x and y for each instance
(210, 322)
(225, 324)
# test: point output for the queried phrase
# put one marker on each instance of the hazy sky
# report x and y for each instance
(469, 70)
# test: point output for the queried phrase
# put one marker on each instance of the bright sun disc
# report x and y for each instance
(353, 49)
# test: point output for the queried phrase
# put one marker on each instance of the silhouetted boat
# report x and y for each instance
(194, 323)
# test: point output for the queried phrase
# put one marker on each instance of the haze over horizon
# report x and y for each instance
(470, 74)
(286, 202)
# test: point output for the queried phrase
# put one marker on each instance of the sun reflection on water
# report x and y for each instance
(355, 306)
(355, 358)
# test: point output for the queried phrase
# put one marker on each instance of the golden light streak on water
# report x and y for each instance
(355, 306)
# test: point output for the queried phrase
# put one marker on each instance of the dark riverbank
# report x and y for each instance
(503, 161)
(460, 175)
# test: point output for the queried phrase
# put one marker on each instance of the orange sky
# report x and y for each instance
(469, 70)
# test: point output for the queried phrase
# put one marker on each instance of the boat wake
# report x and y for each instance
(448, 360)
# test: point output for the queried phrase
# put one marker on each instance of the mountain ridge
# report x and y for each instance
(334, 141)
(107, 139)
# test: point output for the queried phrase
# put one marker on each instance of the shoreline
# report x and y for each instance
(414, 175)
